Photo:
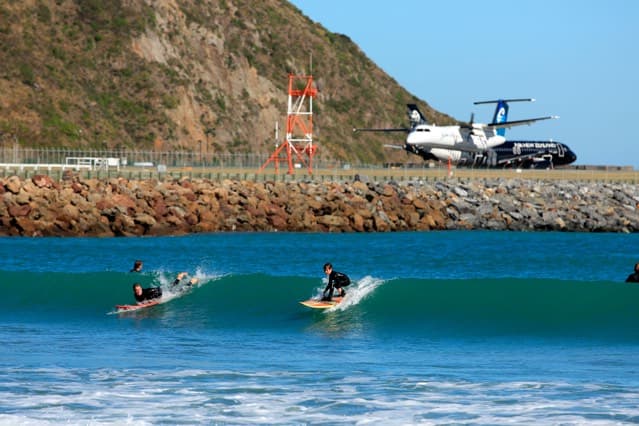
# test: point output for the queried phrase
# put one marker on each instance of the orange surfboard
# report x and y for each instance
(319, 304)
(129, 308)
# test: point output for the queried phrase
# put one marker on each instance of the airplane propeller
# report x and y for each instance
(470, 125)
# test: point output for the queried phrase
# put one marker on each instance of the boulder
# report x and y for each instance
(13, 184)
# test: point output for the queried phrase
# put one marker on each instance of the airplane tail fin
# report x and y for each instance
(501, 115)
(501, 111)
(415, 115)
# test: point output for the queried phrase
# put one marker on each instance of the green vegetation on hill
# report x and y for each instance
(173, 75)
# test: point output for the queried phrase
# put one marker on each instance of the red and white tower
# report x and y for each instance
(299, 125)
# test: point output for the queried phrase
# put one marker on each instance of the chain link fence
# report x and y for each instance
(125, 158)
(143, 164)
(138, 164)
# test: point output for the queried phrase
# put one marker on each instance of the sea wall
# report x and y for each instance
(41, 206)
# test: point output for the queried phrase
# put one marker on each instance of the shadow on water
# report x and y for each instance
(335, 323)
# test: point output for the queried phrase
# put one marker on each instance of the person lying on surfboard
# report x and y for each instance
(336, 280)
(143, 295)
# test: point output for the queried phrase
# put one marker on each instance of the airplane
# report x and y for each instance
(478, 144)
(523, 153)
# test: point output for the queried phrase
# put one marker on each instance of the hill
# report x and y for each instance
(174, 74)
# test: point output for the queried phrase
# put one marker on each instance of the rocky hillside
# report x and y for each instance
(175, 74)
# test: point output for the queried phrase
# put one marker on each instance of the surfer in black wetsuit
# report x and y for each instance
(336, 280)
(634, 277)
(146, 294)
(143, 295)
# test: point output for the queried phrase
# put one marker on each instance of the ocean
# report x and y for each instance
(445, 327)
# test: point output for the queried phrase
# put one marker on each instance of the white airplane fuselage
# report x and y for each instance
(424, 134)
(448, 141)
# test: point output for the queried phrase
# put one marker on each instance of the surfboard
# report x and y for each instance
(319, 304)
(178, 290)
(129, 308)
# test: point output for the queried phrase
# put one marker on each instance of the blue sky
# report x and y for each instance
(578, 59)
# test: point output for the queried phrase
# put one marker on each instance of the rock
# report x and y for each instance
(22, 197)
(460, 192)
(27, 227)
(16, 210)
(121, 207)
(71, 211)
(145, 220)
(357, 223)
(278, 222)
(331, 220)
(42, 181)
(123, 201)
(13, 184)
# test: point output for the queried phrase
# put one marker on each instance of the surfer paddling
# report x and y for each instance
(143, 295)
(336, 280)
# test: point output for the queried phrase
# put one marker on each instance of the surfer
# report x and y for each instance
(143, 295)
(336, 280)
(634, 277)
(137, 266)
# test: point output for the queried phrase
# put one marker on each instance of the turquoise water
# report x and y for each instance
(437, 328)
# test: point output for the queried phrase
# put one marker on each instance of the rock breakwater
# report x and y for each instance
(40, 206)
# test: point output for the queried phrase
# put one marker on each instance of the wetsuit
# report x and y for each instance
(633, 278)
(335, 280)
(149, 294)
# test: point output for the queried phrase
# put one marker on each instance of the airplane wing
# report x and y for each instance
(509, 124)
(405, 130)
(458, 147)
(394, 146)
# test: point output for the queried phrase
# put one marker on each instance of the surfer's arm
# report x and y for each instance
(328, 286)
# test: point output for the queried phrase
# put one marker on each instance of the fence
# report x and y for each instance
(128, 157)
(133, 164)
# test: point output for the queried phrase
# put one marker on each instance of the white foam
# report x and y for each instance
(170, 292)
(139, 397)
(358, 292)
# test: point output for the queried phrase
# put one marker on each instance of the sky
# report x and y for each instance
(578, 59)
